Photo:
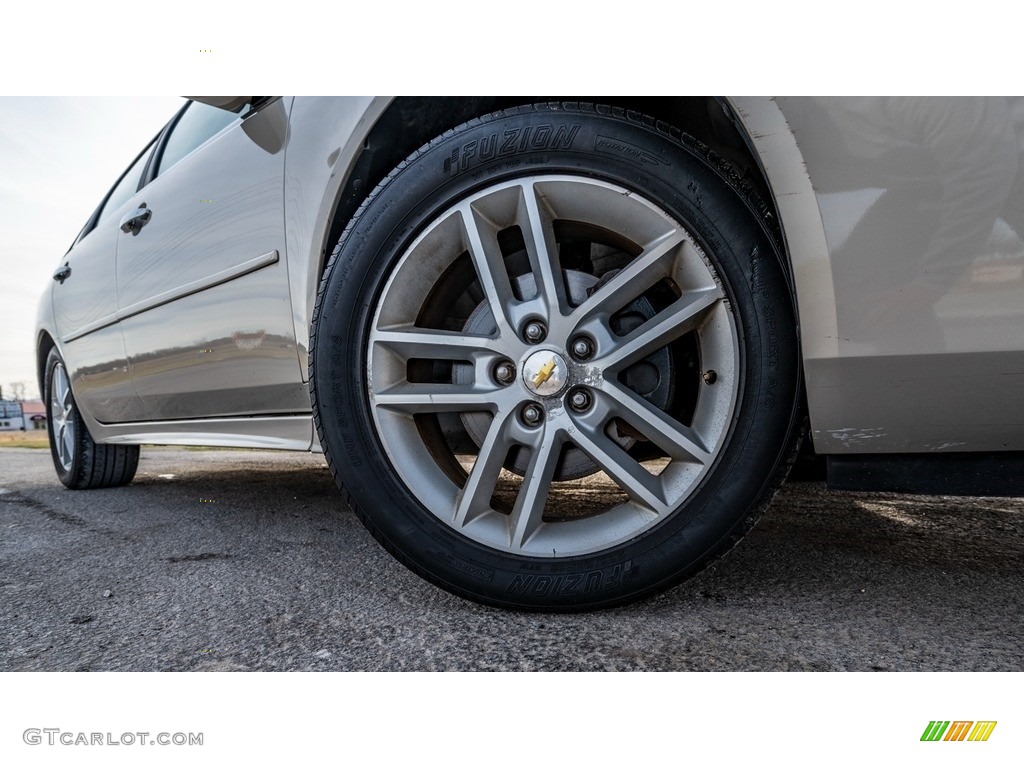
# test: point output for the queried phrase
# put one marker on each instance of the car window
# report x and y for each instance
(199, 123)
(125, 188)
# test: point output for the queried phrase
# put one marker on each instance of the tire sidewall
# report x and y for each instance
(643, 159)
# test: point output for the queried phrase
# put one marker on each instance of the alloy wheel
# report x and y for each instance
(62, 414)
(553, 366)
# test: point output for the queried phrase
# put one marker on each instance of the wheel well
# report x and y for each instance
(410, 122)
(46, 343)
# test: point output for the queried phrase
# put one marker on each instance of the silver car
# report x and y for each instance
(557, 355)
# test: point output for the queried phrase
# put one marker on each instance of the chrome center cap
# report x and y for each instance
(545, 373)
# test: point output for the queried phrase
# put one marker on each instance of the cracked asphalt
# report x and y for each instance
(247, 560)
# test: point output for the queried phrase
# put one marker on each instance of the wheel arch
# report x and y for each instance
(44, 343)
(734, 129)
(749, 134)
(407, 123)
(792, 194)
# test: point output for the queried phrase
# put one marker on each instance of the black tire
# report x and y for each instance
(91, 465)
(696, 190)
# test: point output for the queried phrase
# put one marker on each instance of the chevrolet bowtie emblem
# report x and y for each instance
(544, 373)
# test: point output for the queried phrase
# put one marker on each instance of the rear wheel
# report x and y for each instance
(81, 463)
(554, 360)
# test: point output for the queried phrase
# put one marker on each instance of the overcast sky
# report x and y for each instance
(58, 157)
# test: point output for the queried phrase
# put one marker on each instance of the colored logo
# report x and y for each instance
(544, 373)
(958, 730)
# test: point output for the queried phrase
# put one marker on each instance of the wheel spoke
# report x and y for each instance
(679, 318)
(60, 387)
(633, 279)
(429, 344)
(677, 440)
(68, 443)
(475, 498)
(542, 249)
(490, 268)
(528, 511)
(639, 484)
(436, 398)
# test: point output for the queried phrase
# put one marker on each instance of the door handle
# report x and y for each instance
(62, 274)
(136, 220)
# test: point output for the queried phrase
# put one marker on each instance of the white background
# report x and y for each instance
(492, 720)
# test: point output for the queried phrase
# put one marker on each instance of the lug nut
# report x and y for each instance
(579, 400)
(532, 415)
(582, 348)
(535, 331)
(710, 377)
(505, 372)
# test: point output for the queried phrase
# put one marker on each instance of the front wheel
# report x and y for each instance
(554, 360)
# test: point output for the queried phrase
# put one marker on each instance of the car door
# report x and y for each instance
(85, 308)
(202, 285)
(922, 202)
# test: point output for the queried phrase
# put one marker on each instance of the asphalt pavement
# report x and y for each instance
(247, 560)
